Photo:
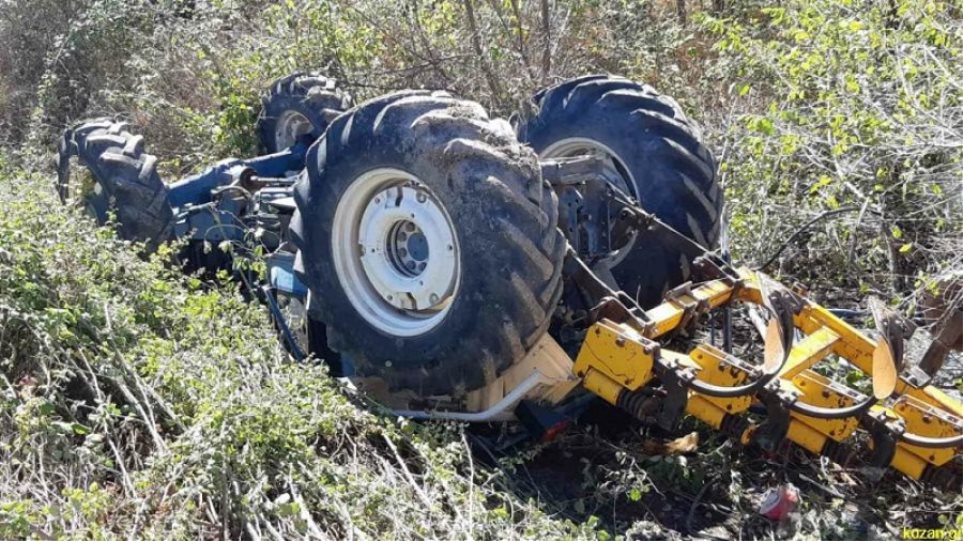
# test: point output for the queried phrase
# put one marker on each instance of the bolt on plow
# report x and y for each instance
(451, 265)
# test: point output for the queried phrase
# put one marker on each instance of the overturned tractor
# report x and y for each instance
(451, 265)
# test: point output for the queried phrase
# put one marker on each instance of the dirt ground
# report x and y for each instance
(597, 470)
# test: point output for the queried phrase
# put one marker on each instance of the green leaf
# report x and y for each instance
(824, 180)
(46, 408)
(851, 85)
(762, 125)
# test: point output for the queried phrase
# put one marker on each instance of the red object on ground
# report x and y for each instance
(779, 502)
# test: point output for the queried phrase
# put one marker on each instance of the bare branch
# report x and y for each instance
(482, 54)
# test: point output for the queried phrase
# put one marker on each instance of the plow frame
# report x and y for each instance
(917, 433)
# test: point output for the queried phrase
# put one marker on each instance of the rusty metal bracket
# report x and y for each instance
(605, 302)
(772, 432)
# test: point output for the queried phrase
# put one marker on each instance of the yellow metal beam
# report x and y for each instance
(858, 349)
(668, 315)
(821, 391)
(809, 351)
(852, 345)
(617, 352)
(925, 420)
(603, 386)
(717, 368)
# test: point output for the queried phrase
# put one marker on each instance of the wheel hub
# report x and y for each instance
(614, 173)
(398, 229)
(407, 248)
(404, 271)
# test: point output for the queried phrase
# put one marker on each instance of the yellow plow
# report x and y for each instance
(913, 427)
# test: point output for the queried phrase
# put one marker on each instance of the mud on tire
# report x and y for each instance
(659, 152)
(503, 217)
(125, 177)
(298, 105)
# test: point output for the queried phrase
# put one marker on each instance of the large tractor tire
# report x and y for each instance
(654, 153)
(429, 241)
(125, 180)
(297, 106)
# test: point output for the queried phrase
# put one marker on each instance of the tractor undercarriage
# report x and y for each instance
(579, 274)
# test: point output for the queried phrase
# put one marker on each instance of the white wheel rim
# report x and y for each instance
(613, 169)
(395, 252)
(291, 125)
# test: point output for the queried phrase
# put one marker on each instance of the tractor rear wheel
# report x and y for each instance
(125, 180)
(296, 106)
(429, 240)
(653, 152)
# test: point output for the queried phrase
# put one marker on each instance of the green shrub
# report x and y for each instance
(846, 105)
(136, 402)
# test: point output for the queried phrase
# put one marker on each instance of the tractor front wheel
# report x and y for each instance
(125, 180)
(297, 106)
